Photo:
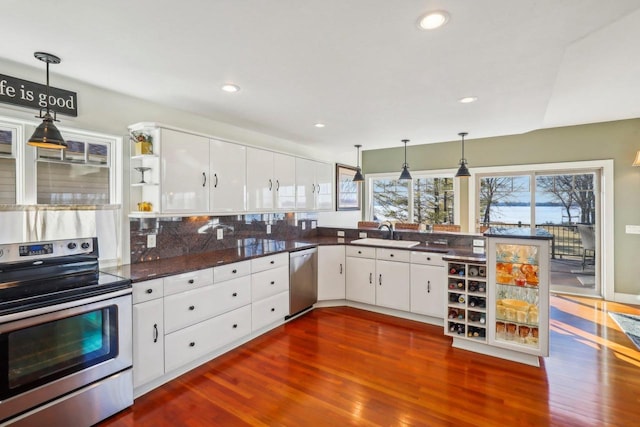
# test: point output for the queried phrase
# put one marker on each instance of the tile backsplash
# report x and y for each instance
(176, 236)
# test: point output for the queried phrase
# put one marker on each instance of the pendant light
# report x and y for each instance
(47, 135)
(358, 176)
(463, 171)
(404, 175)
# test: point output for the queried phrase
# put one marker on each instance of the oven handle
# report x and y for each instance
(66, 305)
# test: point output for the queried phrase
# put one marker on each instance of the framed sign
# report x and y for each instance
(347, 191)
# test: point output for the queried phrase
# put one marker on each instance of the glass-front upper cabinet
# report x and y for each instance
(8, 137)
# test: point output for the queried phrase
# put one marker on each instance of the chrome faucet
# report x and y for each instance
(389, 228)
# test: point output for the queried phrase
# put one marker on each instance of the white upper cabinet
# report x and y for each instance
(314, 185)
(270, 180)
(185, 170)
(227, 179)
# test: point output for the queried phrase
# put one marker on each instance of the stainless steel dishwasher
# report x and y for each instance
(303, 280)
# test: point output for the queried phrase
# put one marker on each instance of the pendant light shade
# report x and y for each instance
(47, 135)
(358, 177)
(404, 175)
(463, 171)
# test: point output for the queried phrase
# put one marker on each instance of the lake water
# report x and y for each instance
(544, 214)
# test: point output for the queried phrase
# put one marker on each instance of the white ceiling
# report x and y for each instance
(360, 66)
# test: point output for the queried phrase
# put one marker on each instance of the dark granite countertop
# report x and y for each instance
(257, 248)
(519, 233)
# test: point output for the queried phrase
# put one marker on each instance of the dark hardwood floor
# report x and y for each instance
(343, 366)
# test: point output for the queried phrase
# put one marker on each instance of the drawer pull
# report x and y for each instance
(428, 258)
(234, 271)
(272, 262)
(359, 252)
(191, 281)
(391, 255)
(192, 307)
(272, 283)
(273, 309)
(235, 325)
(155, 332)
(235, 294)
(149, 291)
(192, 344)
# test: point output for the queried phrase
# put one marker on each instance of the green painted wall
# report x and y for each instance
(617, 140)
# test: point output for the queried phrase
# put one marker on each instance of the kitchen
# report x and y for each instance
(109, 113)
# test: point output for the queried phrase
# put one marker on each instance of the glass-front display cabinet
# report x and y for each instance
(518, 272)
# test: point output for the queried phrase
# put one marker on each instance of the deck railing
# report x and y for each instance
(566, 240)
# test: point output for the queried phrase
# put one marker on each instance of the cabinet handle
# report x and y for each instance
(340, 268)
(360, 252)
(192, 344)
(149, 291)
(215, 185)
(235, 294)
(234, 271)
(277, 185)
(391, 255)
(191, 281)
(380, 280)
(270, 185)
(235, 325)
(192, 307)
(272, 262)
(370, 278)
(428, 286)
(313, 188)
(204, 179)
(155, 332)
(272, 282)
(428, 258)
(273, 309)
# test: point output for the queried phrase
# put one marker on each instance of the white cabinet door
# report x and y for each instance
(427, 290)
(323, 186)
(148, 341)
(185, 170)
(284, 178)
(392, 284)
(305, 184)
(227, 179)
(331, 272)
(260, 185)
(361, 280)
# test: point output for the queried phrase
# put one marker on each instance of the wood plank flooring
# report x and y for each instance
(348, 367)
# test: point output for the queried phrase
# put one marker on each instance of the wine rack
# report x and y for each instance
(467, 301)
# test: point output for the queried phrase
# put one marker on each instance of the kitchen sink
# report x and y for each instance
(386, 243)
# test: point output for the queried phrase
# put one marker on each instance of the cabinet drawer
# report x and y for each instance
(393, 255)
(269, 282)
(191, 343)
(269, 310)
(187, 281)
(427, 258)
(267, 262)
(361, 251)
(147, 290)
(231, 271)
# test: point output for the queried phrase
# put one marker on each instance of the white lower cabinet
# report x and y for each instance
(428, 283)
(189, 344)
(148, 331)
(392, 287)
(360, 280)
(331, 273)
(269, 310)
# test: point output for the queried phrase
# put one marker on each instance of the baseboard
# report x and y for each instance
(633, 299)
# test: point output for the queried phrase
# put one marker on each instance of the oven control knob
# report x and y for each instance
(85, 245)
(72, 245)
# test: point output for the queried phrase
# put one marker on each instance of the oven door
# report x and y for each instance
(49, 352)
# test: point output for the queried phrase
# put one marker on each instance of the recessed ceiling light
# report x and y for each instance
(433, 20)
(319, 125)
(229, 87)
(468, 99)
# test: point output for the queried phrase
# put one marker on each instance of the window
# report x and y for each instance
(78, 175)
(426, 199)
(8, 137)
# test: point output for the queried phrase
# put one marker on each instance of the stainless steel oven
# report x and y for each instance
(65, 336)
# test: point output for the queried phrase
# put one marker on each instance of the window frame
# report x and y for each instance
(436, 173)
